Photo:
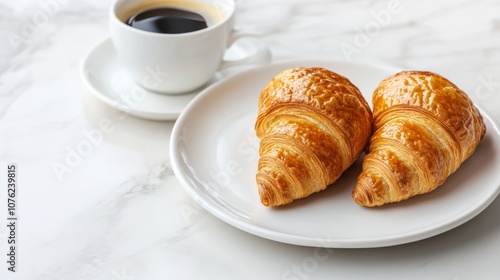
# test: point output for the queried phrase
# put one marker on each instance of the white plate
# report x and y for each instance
(103, 76)
(214, 155)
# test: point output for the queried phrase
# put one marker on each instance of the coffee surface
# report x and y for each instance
(167, 21)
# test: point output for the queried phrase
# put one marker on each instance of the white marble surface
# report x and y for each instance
(119, 212)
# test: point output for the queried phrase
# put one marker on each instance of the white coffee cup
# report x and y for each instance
(176, 63)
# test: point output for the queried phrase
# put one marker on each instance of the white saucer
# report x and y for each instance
(104, 77)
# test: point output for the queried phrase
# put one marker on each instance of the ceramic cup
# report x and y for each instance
(177, 63)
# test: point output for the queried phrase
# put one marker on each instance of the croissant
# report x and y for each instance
(312, 124)
(424, 127)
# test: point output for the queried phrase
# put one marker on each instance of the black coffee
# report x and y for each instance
(167, 20)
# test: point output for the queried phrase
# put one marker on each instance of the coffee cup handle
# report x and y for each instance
(248, 51)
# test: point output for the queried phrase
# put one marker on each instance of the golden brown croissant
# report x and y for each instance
(313, 124)
(424, 128)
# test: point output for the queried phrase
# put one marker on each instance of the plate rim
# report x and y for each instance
(287, 238)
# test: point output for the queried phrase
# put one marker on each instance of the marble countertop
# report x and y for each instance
(118, 212)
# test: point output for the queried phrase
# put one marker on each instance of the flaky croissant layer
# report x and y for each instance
(425, 127)
(313, 124)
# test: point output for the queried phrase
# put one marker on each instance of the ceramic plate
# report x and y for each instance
(104, 76)
(214, 153)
